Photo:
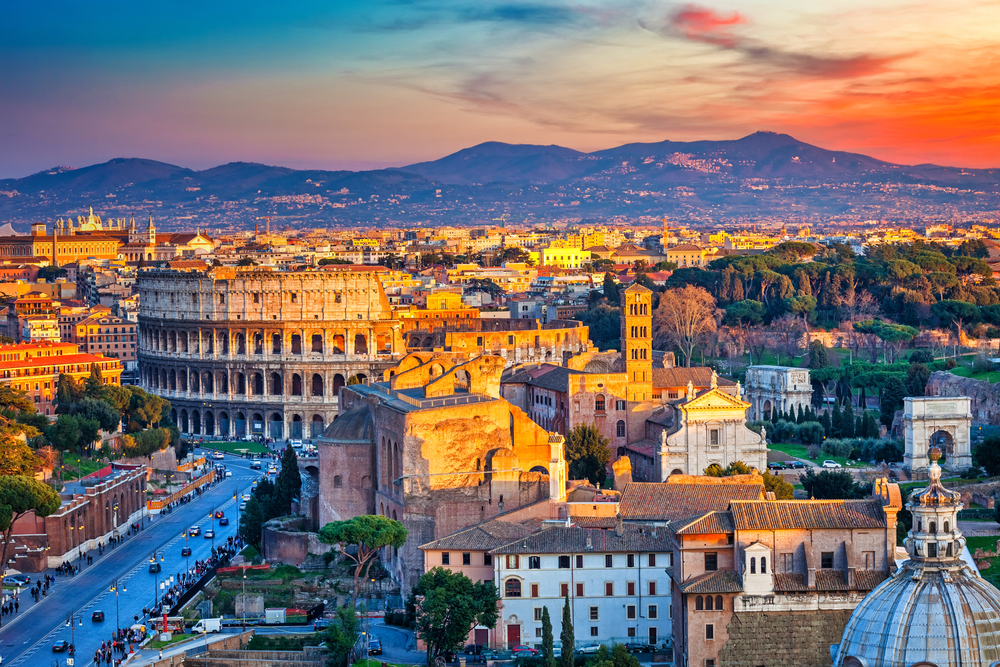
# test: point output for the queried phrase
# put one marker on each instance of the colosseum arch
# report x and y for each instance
(224, 424)
(223, 383)
(338, 344)
(317, 343)
(207, 385)
(240, 425)
(173, 415)
(241, 383)
(317, 384)
(258, 384)
(277, 385)
(258, 343)
(241, 344)
(276, 428)
(257, 424)
(295, 429)
(224, 342)
(317, 426)
(182, 379)
(276, 343)
(195, 384)
(183, 341)
(296, 344)
(209, 421)
(195, 422)
(173, 380)
(296, 384)
(360, 344)
(182, 425)
(163, 378)
(210, 340)
(173, 341)
(338, 382)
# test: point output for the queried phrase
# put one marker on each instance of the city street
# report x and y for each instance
(29, 635)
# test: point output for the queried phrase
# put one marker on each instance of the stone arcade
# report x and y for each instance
(945, 423)
(782, 387)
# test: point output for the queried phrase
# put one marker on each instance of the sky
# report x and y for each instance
(363, 85)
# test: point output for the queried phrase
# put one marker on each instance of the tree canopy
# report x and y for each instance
(447, 605)
(368, 533)
(587, 453)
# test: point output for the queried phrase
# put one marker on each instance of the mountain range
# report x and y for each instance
(699, 177)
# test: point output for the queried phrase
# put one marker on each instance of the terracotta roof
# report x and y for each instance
(686, 247)
(482, 537)
(868, 580)
(561, 540)
(712, 523)
(605, 522)
(795, 514)
(676, 500)
(784, 583)
(720, 581)
(645, 447)
(700, 376)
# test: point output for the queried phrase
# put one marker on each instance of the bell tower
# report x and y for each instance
(637, 342)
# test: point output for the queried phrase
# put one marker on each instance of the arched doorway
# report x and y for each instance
(360, 344)
(182, 425)
(240, 425)
(317, 384)
(317, 426)
(338, 382)
(276, 428)
(257, 424)
(209, 423)
(766, 411)
(944, 441)
(195, 422)
(295, 430)
(224, 424)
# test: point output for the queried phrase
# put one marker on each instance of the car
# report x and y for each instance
(243, 506)
(255, 465)
(229, 473)
(185, 552)
(831, 464)
(321, 624)
(777, 465)
(218, 456)
(245, 497)
(209, 534)
(155, 568)
(16, 581)
(97, 617)
(589, 649)
(798, 465)
(272, 470)
(374, 646)
(473, 649)
(224, 521)
(195, 530)
(247, 438)
(60, 646)
(639, 647)
(522, 650)
(219, 514)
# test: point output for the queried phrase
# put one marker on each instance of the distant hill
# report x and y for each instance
(494, 162)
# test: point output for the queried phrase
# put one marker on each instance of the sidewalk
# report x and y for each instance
(148, 656)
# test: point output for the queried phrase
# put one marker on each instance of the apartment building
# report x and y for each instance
(108, 335)
(34, 368)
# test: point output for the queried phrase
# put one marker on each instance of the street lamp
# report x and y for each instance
(70, 617)
(114, 589)
(244, 598)
(156, 576)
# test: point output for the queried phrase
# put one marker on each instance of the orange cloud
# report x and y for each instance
(701, 24)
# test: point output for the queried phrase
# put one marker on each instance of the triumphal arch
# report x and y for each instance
(937, 422)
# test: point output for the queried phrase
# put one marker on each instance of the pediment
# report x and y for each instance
(715, 398)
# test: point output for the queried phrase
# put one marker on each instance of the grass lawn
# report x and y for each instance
(802, 452)
(156, 644)
(991, 376)
(373, 663)
(920, 484)
(237, 447)
(73, 465)
(986, 543)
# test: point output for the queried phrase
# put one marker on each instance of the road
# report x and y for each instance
(27, 637)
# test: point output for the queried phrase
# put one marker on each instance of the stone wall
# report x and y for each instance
(985, 396)
(285, 542)
(783, 639)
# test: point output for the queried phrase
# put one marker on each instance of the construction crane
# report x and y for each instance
(503, 220)
(268, 227)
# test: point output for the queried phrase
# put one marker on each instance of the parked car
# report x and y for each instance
(97, 617)
(155, 568)
(243, 506)
(195, 530)
(831, 464)
(320, 624)
(60, 646)
(224, 521)
(522, 650)
(473, 649)
(209, 534)
(777, 465)
(374, 646)
(798, 465)
(589, 649)
(16, 581)
(245, 497)
(218, 455)
(255, 465)
(639, 647)
(229, 473)
(185, 552)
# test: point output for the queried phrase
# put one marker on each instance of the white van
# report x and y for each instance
(207, 625)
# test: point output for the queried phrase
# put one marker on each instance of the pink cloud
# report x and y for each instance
(706, 25)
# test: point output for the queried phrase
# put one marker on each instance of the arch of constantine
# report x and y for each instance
(937, 422)
(257, 351)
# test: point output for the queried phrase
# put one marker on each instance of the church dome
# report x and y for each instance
(936, 610)
(355, 425)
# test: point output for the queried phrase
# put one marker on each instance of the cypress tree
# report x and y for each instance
(871, 425)
(566, 636)
(548, 657)
(836, 421)
(847, 421)
(738, 292)
(801, 417)
(827, 426)
(726, 285)
(805, 287)
(859, 426)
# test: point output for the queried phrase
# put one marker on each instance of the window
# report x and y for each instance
(466, 559)
(652, 560)
(699, 603)
(753, 566)
(487, 559)
(709, 631)
(512, 588)
(630, 611)
(630, 588)
(534, 590)
(563, 590)
(609, 560)
(446, 558)
(594, 614)
(713, 437)
(593, 631)
(609, 588)
(579, 590)
(619, 405)
(620, 428)
(709, 662)
(538, 632)
(718, 603)
(763, 564)
(534, 562)
(652, 611)
(709, 603)
(652, 588)
(579, 562)
(538, 613)
(788, 562)
(711, 562)
(931, 549)
(630, 560)
(826, 560)
(513, 562)
(631, 632)
(599, 403)
(563, 562)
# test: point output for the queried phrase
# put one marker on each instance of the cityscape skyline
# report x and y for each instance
(389, 84)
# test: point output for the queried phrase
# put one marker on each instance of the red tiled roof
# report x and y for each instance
(830, 580)
(55, 360)
(795, 514)
(713, 523)
(669, 501)
(560, 540)
(721, 581)
(699, 376)
(484, 536)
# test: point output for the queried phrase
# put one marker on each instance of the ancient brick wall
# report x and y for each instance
(783, 639)
(985, 396)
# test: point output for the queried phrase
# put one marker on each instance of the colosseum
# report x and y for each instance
(255, 350)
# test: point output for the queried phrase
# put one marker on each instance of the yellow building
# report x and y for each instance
(561, 256)
(686, 255)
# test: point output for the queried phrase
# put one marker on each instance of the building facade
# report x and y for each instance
(256, 351)
(34, 368)
(777, 387)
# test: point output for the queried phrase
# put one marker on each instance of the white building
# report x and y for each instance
(616, 582)
(782, 387)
